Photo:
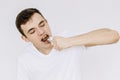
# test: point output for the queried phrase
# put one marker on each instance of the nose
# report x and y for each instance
(40, 31)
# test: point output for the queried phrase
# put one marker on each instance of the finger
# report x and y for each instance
(56, 46)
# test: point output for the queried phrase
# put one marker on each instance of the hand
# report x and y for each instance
(60, 42)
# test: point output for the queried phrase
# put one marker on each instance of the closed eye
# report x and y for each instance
(31, 31)
(42, 24)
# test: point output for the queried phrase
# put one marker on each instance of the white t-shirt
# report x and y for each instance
(58, 65)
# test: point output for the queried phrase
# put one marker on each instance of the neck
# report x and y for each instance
(45, 51)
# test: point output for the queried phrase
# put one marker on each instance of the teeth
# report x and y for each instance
(44, 38)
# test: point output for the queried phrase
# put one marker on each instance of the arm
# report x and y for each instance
(93, 38)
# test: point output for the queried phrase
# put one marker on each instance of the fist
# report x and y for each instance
(60, 43)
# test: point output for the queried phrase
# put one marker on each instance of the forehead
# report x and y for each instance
(33, 22)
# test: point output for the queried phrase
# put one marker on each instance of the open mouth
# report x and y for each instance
(45, 38)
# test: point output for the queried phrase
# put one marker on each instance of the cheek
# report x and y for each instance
(36, 41)
(47, 29)
(34, 38)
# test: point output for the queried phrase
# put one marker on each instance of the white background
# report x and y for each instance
(75, 16)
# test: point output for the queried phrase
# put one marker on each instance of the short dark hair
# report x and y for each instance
(24, 16)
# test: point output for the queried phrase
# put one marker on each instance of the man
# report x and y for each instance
(57, 59)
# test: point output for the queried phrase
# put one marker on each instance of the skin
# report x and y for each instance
(36, 29)
(97, 37)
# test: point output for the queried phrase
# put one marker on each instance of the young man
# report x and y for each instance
(57, 59)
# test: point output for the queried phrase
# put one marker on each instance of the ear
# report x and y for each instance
(25, 38)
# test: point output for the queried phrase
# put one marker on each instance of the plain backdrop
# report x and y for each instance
(66, 17)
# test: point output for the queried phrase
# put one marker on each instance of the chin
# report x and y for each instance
(47, 45)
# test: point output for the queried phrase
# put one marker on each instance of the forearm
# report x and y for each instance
(96, 37)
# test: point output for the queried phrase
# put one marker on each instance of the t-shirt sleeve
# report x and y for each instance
(21, 71)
